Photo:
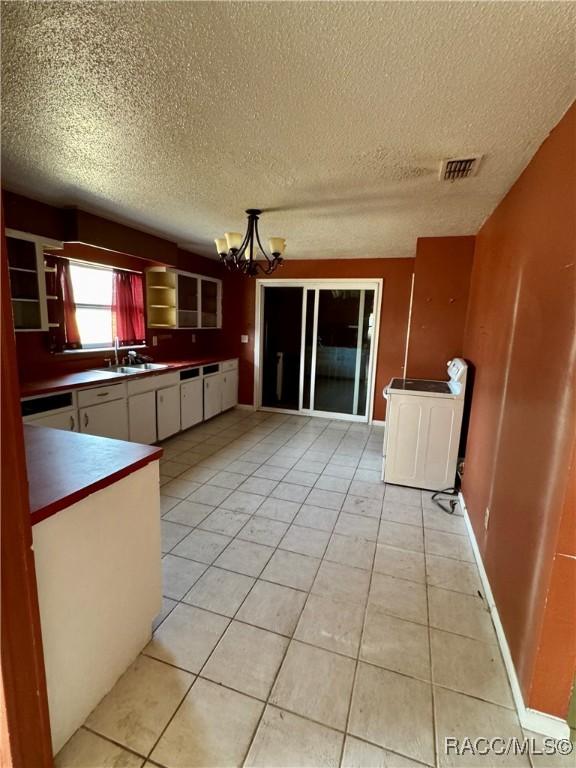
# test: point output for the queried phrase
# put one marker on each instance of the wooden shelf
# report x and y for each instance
(22, 269)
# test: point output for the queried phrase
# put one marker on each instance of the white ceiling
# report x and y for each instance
(176, 117)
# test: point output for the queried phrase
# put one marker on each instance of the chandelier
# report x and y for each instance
(240, 252)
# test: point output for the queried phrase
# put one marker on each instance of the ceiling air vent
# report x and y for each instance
(459, 168)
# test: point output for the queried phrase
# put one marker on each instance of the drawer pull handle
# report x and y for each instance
(102, 394)
(85, 419)
(72, 423)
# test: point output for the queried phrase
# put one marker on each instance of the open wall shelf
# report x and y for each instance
(178, 299)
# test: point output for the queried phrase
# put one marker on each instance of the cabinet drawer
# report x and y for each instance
(150, 383)
(101, 395)
(229, 365)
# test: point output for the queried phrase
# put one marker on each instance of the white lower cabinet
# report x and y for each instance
(191, 403)
(142, 410)
(229, 389)
(105, 420)
(168, 411)
(142, 417)
(213, 395)
(68, 420)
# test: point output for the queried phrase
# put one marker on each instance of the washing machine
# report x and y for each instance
(422, 434)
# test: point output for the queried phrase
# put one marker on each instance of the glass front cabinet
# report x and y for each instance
(177, 299)
(27, 273)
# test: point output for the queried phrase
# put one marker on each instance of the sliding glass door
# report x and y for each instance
(321, 338)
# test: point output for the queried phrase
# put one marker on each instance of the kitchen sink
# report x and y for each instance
(120, 369)
(131, 370)
(148, 366)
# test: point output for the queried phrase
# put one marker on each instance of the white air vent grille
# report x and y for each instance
(459, 168)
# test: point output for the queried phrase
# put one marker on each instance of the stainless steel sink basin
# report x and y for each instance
(148, 366)
(121, 370)
(131, 370)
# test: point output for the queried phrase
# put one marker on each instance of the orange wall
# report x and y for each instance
(397, 279)
(442, 280)
(520, 336)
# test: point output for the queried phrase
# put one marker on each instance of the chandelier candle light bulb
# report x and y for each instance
(276, 245)
(239, 252)
(234, 240)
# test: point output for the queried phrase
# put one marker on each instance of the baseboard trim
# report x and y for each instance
(244, 407)
(378, 423)
(531, 719)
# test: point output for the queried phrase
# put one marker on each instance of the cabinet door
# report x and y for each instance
(187, 301)
(168, 411)
(229, 389)
(405, 425)
(191, 403)
(142, 418)
(106, 420)
(68, 420)
(210, 304)
(213, 395)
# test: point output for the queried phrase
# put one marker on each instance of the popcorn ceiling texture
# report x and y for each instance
(176, 116)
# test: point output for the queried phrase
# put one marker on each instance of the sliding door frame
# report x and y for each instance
(367, 284)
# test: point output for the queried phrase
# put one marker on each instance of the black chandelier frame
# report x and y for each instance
(243, 259)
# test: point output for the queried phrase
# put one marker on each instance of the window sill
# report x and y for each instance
(97, 350)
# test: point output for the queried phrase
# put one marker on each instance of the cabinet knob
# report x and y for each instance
(85, 419)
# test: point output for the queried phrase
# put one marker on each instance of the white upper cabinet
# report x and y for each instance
(28, 279)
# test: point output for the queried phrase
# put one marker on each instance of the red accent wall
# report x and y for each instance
(520, 337)
(397, 279)
(441, 285)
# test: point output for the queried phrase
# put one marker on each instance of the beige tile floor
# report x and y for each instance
(312, 616)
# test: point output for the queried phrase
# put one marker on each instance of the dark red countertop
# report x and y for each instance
(94, 377)
(65, 467)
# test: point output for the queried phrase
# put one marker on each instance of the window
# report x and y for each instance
(92, 288)
(107, 303)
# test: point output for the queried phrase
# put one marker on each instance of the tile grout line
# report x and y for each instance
(359, 651)
(430, 659)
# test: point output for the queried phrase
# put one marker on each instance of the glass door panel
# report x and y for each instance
(209, 290)
(343, 344)
(282, 344)
(308, 345)
(187, 301)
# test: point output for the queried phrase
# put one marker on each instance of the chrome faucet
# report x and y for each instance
(116, 346)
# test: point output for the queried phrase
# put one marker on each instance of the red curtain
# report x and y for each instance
(128, 307)
(61, 310)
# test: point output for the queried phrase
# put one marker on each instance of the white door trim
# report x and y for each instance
(371, 284)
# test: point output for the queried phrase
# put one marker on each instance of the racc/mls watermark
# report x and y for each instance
(498, 745)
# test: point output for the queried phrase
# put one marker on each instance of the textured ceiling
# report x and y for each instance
(176, 116)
